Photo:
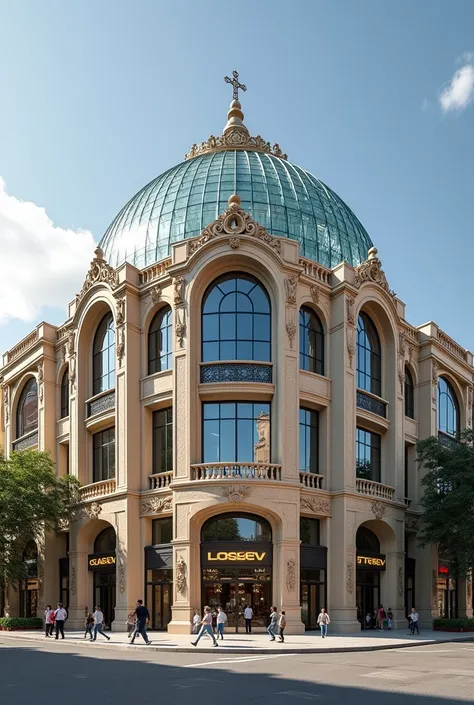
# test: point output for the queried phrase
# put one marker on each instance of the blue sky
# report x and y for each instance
(98, 98)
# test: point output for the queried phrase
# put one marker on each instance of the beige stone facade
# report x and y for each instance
(273, 487)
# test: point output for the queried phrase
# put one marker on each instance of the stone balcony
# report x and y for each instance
(160, 480)
(237, 471)
(375, 489)
(97, 489)
(311, 480)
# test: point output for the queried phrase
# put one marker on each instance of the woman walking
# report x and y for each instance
(221, 622)
(98, 623)
(89, 625)
(48, 621)
(282, 625)
(323, 621)
(206, 627)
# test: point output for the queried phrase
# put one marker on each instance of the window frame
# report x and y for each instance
(98, 474)
(409, 390)
(30, 387)
(167, 427)
(103, 382)
(313, 441)
(64, 408)
(450, 393)
(160, 338)
(370, 381)
(235, 419)
(375, 446)
(314, 362)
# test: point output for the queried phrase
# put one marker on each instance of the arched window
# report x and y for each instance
(105, 542)
(368, 356)
(27, 412)
(366, 540)
(409, 395)
(65, 395)
(30, 560)
(311, 341)
(159, 341)
(236, 320)
(104, 355)
(448, 408)
(236, 527)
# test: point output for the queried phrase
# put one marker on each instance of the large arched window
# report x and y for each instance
(30, 560)
(65, 395)
(106, 541)
(104, 355)
(311, 341)
(368, 356)
(366, 540)
(448, 408)
(27, 412)
(236, 527)
(409, 395)
(236, 320)
(159, 341)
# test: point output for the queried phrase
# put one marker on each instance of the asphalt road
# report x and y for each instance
(61, 673)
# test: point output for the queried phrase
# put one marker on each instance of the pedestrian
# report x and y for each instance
(142, 617)
(323, 621)
(130, 623)
(414, 621)
(368, 621)
(196, 622)
(99, 624)
(221, 620)
(60, 616)
(389, 619)
(89, 625)
(282, 625)
(48, 624)
(206, 627)
(273, 623)
(380, 617)
(248, 616)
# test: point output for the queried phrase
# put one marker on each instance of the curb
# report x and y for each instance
(247, 650)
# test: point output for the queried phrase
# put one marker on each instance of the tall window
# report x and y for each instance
(409, 395)
(448, 408)
(104, 355)
(367, 455)
(309, 531)
(104, 455)
(236, 432)
(27, 412)
(236, 527)
(162, 530)
(106, 541)
(236, 320)
(65, 395)
(311, 341)
(368, 356)
(163, 440)
(309, 445)
(160, 341)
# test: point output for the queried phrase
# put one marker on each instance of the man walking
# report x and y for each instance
(273, 623)
(206, 627)
(414, 621)
(98, 623)
(248, 616)
(143, 617)
(323, 621)
(221, 621)
(60, 617)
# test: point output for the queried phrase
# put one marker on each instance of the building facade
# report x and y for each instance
(239, 393)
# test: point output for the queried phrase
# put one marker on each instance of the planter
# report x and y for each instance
(453, 629)
(18, 629)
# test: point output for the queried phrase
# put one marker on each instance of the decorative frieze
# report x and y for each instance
(236, 372)
(181, 576)
(350, 577)
(235, 494)
(157, 505)
(291, 575)
(318, 505)
(378, 509)
(103, 403)
(369, 403)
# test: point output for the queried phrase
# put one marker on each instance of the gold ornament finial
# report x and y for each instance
(234, 81)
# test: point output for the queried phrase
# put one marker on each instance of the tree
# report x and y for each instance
(448, 498)
(32, 501)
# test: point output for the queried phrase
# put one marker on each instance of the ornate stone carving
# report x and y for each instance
(235, 493)
(155, 505)
(178, 290)
(70, 343)
(291, 574)
(235, 221)
(469, 586)
(40, 380)
(314, 291)
(6, 402)
(401, 375)
(291, 283)
(470, 397)
(350, 345)
(122, 581)
(120, 311)
(72, 373)
(371, 271)
(350, 310)
(291, 330)
(378, 508)
(99, 271)
(155, 293)
(350, 577)
(234, 242)
(400, 581)
(181, 576)
(235, 138)
(401, 345)
(72, 579)
(93, 510)
(121, 344)
(180, 327)
(435, 368)
(411, 523)
(315, 504)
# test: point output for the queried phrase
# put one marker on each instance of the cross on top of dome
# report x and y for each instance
(234, 81)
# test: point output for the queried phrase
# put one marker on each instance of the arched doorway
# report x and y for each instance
(236, 564)
(370, 564)
(103, 564)
(29, 586)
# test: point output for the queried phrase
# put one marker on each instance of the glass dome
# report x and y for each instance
(285, 199)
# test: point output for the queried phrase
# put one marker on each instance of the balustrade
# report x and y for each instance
(161, 480)
(238, 471)
(97, 489)
(310, 479)
(375, 489)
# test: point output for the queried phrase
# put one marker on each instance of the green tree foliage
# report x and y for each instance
(448, 498)
(32, 501)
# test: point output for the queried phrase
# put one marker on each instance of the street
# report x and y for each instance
(62, 672)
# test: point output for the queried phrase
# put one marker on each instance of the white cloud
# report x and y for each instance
(460, 91)
(41, 264)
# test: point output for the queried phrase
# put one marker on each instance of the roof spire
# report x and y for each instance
(235, 115)
(234, 81)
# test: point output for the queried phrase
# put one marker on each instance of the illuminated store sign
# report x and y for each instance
(443, 569)
(233, 556)
(97, 561)
(374, 562)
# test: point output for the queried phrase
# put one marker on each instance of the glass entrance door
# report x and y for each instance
(367, 596)
(161, 606)
(234, 594)
(310, 605)
(104, 594)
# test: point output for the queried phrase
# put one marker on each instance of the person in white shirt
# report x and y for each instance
(98, 622)
(323, 621)
(414, 618)
(48, 624)
(206, 627)
(221, 621)
(196, 622)
(248, 616)
(60, 618)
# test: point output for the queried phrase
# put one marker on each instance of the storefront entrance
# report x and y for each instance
(103, 564)
(370, 564)
(29, 588)
(236, 564)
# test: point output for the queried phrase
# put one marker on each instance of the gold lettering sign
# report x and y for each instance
(370, 560)
(236, 556)
(103, 560)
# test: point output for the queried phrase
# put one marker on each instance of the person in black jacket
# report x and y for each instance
(143, 617)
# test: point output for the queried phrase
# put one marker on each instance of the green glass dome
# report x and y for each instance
(285, 199)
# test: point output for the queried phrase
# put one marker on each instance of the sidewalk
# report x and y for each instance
(310, 642)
